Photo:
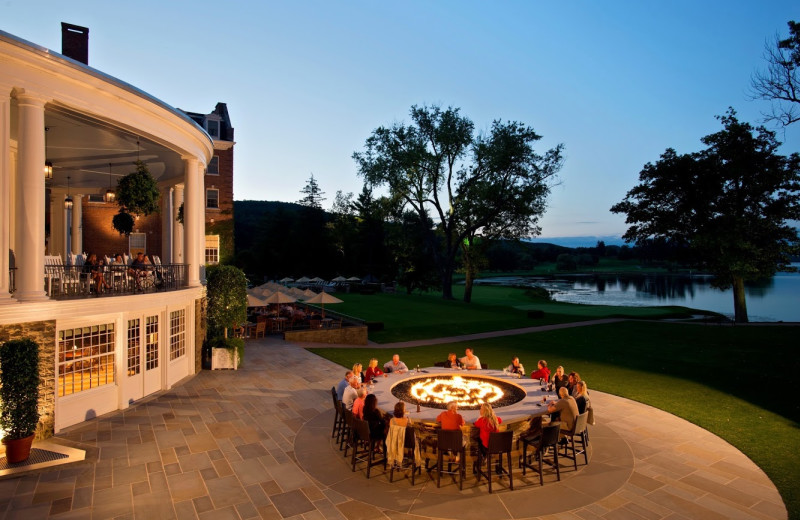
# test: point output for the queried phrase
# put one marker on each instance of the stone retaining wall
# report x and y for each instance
(355, 335)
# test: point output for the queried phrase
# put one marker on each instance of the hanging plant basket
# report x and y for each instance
(123, 222)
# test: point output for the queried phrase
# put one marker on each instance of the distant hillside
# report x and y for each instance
(585, 241)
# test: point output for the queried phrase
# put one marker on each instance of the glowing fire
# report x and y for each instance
(466, 392)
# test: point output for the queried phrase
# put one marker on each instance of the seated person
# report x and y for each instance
(582, 399)
(344, 383)
(93, 268)
(358, 404)
(395, 365)
(400, 418)
(559, 379)
(374, 417)
(452, 361)
(372, 371)
(516, 367)
(138, 269)
(542, 372)
(566, 407)
(572, 380)
(358, 373)
(351, 393)
(450, 419)
(470, 360)
(487, 423)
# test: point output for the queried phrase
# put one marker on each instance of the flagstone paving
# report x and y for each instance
(255, 443)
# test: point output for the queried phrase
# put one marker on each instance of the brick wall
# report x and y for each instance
(101, 238)
(44, 334)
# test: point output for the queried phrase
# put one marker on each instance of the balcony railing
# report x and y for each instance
(64, 282)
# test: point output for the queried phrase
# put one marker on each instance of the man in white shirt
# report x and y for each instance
(395, 365)
(351, 393)
(470, 360)
(340, 388)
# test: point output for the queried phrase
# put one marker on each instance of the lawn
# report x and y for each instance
(722, 378)
(410, 317)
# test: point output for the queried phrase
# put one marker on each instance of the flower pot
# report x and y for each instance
(224, 359)
(18, 450)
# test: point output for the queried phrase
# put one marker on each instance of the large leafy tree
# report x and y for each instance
(469, 184)
(730, 205)
(779, 83)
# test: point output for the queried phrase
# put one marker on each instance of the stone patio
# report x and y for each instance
(255, 443)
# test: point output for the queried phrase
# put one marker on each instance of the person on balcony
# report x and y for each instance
(93, 268)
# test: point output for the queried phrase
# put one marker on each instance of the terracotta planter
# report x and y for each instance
(18, 450)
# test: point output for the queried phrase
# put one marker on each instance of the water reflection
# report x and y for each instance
(774, 299)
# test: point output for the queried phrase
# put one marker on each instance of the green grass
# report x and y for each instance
(410, 317)
(732, 381)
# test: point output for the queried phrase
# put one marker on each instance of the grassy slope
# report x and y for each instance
(721, 378)
(407, 317)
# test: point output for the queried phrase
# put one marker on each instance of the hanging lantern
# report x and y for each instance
(111, 195)
(48, 170)
(68, 202)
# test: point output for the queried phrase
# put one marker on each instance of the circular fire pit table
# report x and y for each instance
(446, 384)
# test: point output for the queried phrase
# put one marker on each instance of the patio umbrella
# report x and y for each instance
(308, 293)
(255, 301)
(286, 279)
(280, 297)
(316, 279)
(339, 279)
(297, 293)
(354, 279)
(304, 279)
(323, 298)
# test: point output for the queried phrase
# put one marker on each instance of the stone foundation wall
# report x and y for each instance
(346, 335)
(44, 334)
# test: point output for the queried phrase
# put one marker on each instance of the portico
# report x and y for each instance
(98, 354)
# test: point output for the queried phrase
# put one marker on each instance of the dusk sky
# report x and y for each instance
(307, 82)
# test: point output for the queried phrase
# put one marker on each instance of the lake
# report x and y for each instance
(775, 299)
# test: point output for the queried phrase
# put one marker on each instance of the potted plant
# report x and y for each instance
(19, 397)
(227, 307)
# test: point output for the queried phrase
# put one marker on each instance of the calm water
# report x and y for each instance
(777, 299)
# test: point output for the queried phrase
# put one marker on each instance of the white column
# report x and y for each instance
(5, 196)
(30, 190)
(77, 224)
(191, 223)
(177, 227)
(201, 219)
(166, 226)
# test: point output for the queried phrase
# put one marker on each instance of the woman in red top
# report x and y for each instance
(487, 423)
(372, 370)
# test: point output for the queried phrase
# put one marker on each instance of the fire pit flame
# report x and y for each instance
(469, 392)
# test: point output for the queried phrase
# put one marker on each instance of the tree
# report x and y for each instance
(227, 298)
(780, 82)
(728, 205)
(490, 185)
(313, 194)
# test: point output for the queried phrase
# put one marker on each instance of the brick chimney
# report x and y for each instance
(75, 42)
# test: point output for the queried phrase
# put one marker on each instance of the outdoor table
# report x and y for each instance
(515, 416)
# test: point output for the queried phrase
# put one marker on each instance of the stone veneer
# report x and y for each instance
(44, 334)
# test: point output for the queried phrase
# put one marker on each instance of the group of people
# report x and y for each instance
(94, 269)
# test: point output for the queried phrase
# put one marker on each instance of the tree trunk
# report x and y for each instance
(739, 302)
(447, 282)
(468, 287)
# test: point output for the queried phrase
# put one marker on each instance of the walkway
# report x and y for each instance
(227, 445)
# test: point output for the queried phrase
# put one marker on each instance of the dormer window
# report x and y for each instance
(212, 127)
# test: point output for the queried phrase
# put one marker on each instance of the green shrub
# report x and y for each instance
(19, 388)
(227, 298)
